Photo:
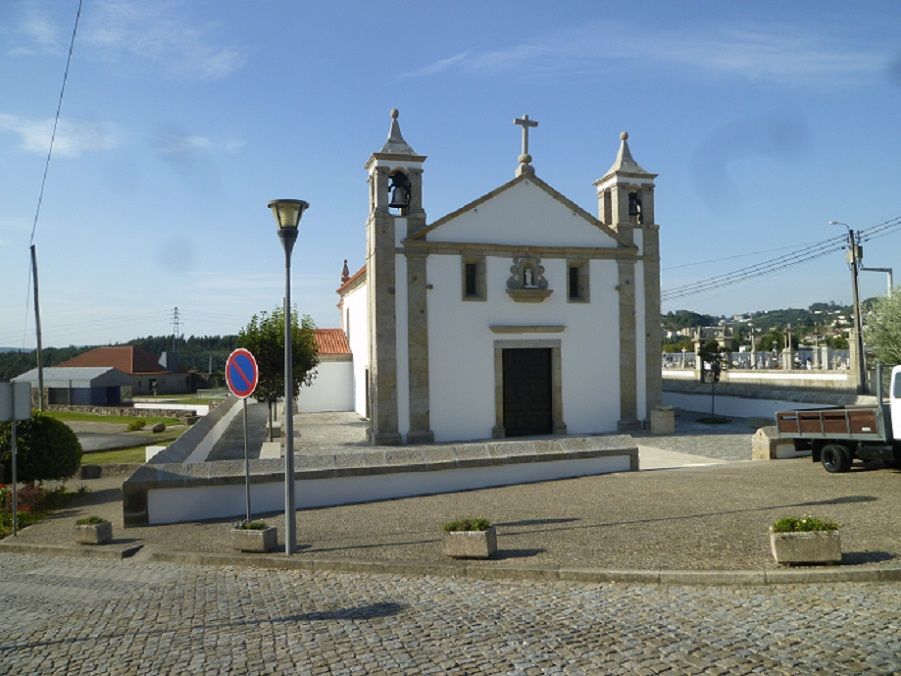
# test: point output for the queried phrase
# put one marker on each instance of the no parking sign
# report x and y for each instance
(241, 373)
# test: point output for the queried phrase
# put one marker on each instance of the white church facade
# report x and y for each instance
(518, 314)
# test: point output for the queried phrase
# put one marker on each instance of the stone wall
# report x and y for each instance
(127, 411)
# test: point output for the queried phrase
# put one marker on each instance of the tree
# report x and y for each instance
(46, 449)
(711, 353)
(264, 336)
(883, 330)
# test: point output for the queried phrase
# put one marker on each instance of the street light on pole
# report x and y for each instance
(854, 256)
(287, 216)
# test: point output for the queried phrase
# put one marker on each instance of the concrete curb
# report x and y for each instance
(113, 550)
(474, 571)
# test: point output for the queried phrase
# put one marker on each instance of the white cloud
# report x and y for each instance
(178, 145)
(603, 47)
(73, 137)
(154, 31)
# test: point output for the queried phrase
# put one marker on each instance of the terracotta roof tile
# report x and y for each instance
(332, 342)
(126, 358)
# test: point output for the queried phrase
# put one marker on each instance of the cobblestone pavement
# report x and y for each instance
(89, 616)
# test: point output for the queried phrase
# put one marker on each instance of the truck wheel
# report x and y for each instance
(835, 458)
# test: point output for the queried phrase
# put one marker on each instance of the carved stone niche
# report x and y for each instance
(527, 283)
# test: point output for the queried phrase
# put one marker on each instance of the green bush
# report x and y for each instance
(803, 524)
(92, 520)
(467, 524)
(46, 449)
(136, 424)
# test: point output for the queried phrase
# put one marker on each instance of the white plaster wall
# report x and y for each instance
(401, 340)
(331, 390)
(522, 214)
(172, 505)
(461, 346)
(356, 302)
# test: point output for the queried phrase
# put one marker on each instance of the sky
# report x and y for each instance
(183, 118)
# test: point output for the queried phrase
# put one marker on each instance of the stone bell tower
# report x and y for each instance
(626, 204)
(395, 210)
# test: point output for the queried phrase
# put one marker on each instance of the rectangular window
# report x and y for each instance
(577, 281)
(474, 278)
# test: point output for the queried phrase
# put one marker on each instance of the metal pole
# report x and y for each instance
(15, 481)
(37, 327)
(246, 466)
(288, 237)
(858, 327)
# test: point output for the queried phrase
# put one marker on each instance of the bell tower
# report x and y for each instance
(395, 210)
(626, 204)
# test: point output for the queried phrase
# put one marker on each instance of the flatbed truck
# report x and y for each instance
(838, 435)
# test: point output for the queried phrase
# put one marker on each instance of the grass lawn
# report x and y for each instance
(72, 416)
(126, 455)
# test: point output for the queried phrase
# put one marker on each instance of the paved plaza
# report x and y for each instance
(65, 615)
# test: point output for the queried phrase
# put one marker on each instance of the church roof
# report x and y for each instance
(331, 342)
(525, 177)
(352, 281)
(624, 162)
(396, 145)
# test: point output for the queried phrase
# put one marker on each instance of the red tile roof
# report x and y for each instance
(332, 342)
(127, 358)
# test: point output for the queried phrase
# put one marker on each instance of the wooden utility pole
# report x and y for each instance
(37, 327)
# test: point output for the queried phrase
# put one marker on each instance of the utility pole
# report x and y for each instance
(37, 327)
(855, 254)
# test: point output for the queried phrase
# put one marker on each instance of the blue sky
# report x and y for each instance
(182, 119)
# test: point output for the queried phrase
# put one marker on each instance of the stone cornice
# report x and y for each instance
(533, 328)
(414, 247)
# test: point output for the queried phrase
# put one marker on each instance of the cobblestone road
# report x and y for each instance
(95, 616)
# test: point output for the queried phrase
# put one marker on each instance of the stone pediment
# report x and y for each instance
(525, 211)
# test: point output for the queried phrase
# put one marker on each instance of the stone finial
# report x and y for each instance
(396, 145)
(345, 273)
(624, 160)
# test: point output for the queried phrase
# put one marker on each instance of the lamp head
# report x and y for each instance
(288, 213)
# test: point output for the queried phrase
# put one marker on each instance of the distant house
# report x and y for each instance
(332, 389)
(79, 385)
(143, 367)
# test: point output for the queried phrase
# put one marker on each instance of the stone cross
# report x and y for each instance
(525, 123)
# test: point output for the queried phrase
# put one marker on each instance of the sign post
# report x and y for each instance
(15, 405)
(242, 375)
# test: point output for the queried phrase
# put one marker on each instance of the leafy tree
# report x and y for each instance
(46, 449)
(711, 353)
(264, 336)
(883, 329)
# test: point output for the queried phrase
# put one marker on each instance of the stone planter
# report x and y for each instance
(94, 533)
(471, 544)
(821, 546)
(248, 540)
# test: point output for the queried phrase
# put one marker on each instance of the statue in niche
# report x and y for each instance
(527, 279)
(527, 273)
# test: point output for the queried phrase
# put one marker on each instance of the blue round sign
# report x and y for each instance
(241, 373)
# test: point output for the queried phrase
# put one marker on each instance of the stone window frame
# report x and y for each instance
(481, 286)
(583, 291)
(555, 346)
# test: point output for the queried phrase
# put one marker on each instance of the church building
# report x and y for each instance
(518, 314)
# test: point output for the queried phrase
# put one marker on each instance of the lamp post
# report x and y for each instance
(854, 262)
(287, 216)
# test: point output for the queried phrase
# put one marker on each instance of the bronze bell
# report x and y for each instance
(634, 204)
(400, 191)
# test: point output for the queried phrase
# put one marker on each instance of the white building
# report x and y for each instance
(517, 314)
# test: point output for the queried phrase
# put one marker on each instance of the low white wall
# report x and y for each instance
(202, 450)
(332, 389)
(172, 505)
(737, 406)
(200, 409)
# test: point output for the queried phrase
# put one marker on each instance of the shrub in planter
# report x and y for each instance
(805, 539)
(470, 539)
(93, 530)
(254, 536)
(46, 449)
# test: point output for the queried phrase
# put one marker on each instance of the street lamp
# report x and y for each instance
(854, 262)
(287, 217)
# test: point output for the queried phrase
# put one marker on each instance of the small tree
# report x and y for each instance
(711, 353)
(264, 336)
(46, 449)
(883, 330)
